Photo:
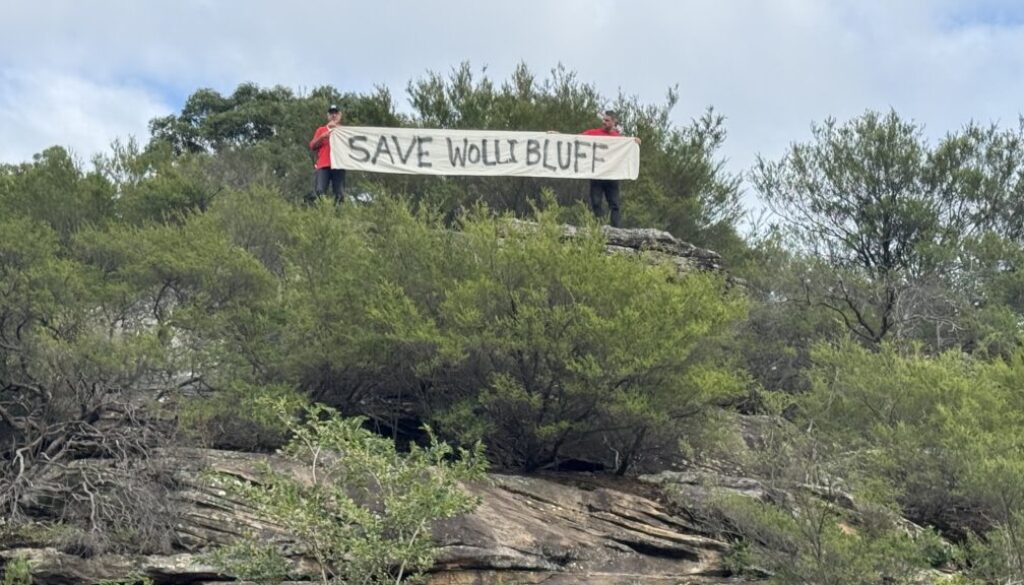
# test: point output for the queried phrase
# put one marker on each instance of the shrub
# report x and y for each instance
(362, 511)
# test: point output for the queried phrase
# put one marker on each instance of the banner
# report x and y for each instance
(484, 153)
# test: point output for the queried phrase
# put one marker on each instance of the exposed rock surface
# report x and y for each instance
(526, 530)
(555, 530)
(684, 255)
(659, 246)
(541, 531)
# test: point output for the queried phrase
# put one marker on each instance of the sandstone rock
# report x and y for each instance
(526, 530)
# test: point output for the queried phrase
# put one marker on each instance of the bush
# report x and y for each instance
(499, 331)
(363, 511)
(813, 541)
(944, 431)
(17, 571)
(235, 417)
(566, 350)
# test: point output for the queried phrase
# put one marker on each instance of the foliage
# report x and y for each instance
(234, 417)
(98, 324)
(53, 190)
(17, 571)
(129, 580)
(175, 286)
(260, 134)
(998, 557)
(816, 542)
(681, 188)
(885, 409)
(784, 320)
(363, 511)
(381, 311)
(249, 560)
(70, 359)
(375, 310)
(893, 219)
(549, 359)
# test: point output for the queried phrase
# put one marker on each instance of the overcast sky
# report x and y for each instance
(82, 73)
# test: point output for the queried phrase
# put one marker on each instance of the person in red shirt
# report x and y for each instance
(603, 188)
(321, 146)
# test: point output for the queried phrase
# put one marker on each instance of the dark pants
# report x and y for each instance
(603, 189)
(334, 177)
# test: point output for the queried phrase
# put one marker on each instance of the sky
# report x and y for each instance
(83, 73)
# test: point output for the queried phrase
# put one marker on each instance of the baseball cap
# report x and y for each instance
(333, 108)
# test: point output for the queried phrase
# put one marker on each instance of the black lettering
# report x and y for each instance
(579, 154)
(512, 150)
(545, 164)
(593, 156)
(353, 146)
(408, 152)
(455, 155)
(382, 147)
(422, 153)
(568, 154)
(483, 146)
(470, 152)
(532, 152)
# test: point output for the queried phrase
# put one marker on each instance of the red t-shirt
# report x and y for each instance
(600, 132)
(323, 151)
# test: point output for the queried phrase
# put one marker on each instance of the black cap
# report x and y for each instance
(332, 108)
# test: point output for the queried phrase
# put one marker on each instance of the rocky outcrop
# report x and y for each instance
(536, 530)
(526, 530)
(657, 246)
(663, 245)
(554, 529)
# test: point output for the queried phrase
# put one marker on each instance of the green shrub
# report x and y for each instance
(17, 571)
(813, 541)
(362, 511)
(542, 347)
(235, 417)
(561, 349)
(946, 431)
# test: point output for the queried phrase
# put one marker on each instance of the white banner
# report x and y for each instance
(484, 153)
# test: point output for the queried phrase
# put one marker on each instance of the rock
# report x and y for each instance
(52, 567)
(685, 255)
(657, 245)
(526, 530)
(569, 535)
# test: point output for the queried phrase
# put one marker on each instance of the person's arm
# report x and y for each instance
(320, 137)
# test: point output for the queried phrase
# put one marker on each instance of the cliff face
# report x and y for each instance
(595, 530)
(552, 529)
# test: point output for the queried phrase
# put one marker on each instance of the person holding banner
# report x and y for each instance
(604, 188)
(321, 145)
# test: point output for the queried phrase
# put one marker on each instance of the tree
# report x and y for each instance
(890, 219)
(548, 363)
(681, 188)
(99, 321)
(258, 135)
(76, 374)
(261, 134)
(54, 189)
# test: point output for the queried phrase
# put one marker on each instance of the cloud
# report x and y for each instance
(39, 109)
(771, 67)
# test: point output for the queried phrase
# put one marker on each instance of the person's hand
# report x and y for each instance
(637, 140)
(331, 125)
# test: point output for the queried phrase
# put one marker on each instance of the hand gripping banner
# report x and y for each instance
(484, 153)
